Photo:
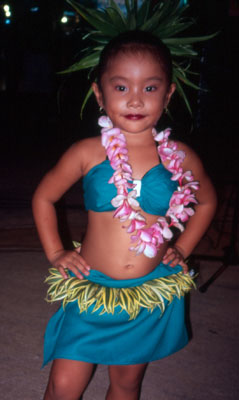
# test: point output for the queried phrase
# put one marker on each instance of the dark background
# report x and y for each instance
(40, 110)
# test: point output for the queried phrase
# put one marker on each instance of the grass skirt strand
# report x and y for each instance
(107, 321)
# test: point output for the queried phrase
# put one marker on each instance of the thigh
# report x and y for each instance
(68, 379)
(127, 375)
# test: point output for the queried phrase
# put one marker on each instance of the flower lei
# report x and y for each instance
(147, 240)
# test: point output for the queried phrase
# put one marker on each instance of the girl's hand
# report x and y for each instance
(174, 257)
(71, 260)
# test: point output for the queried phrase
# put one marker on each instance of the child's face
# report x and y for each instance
(134, 92)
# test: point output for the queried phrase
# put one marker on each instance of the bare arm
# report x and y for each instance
(56, 182)
(204, 210)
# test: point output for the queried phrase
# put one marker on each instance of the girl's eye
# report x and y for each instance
(150, 88)
(121, 88)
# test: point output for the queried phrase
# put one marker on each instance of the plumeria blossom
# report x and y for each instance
(182, 213)
(124, 204)
(137, 221)
(145, 243)
(105, 122)
(148, 249)
(164, 228)
(123, 211)
(147, 240)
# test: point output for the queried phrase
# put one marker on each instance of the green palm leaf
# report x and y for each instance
(168, 30)
(187, 82)
(188, 41)
(181, 92)
(95, 18)
(85, 63)
(128, 8)
(88, 94)
(143, 13)
(165, 20)
(182, 51)
(118, 14)
(116, 19)
(152, 22)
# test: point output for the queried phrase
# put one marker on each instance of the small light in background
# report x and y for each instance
(34, 9)
(69, 21)
(64, 20)
(8, 14)
(6, 8)
(183, 3)
(69, 13)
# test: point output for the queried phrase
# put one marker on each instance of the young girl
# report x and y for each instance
(123, 288)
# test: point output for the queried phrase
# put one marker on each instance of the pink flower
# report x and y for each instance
(145, 235)
(175, 222)
(174, 165)
(165, 230)
(107, 136)
(162, 136)
(192, 185)
(123, 204)
(165, 153)
(118, 160)
(115, 150)
(147, 239)
(123, 211)
(137, 222)
(183, 197)
(105, 122)
(148, 249)
(188, 176)
(119, 199)
(118, 175)
(181, 212)
(135, 225)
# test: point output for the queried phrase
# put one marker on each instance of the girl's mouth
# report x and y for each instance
(134, 117)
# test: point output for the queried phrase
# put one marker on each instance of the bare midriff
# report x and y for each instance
(106, 248)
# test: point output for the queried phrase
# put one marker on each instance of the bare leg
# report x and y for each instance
(125, 381)
(68, 379)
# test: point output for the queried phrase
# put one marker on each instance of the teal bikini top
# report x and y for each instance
(154, 190)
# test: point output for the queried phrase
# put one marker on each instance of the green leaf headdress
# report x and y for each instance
(165, 20)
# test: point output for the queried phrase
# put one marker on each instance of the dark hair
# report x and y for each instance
(135, 41)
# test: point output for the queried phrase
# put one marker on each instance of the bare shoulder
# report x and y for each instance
(89, 144)
(70, 168)
(189, 152)
(92, 153)
(81, 154)
(85, 147)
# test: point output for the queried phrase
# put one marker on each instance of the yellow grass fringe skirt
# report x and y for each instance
(107, 321)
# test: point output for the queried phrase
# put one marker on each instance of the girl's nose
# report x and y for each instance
(135, 101)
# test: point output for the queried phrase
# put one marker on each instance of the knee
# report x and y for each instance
(59, 388)
(68, 379)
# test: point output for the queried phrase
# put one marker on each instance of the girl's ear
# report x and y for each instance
(169, 94)
(98, 93)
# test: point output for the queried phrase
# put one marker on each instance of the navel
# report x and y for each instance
(129, 266)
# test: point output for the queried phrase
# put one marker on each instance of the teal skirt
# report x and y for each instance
(96, 336)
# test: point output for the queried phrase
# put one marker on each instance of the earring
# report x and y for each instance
(166, 110)
(101, 109)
